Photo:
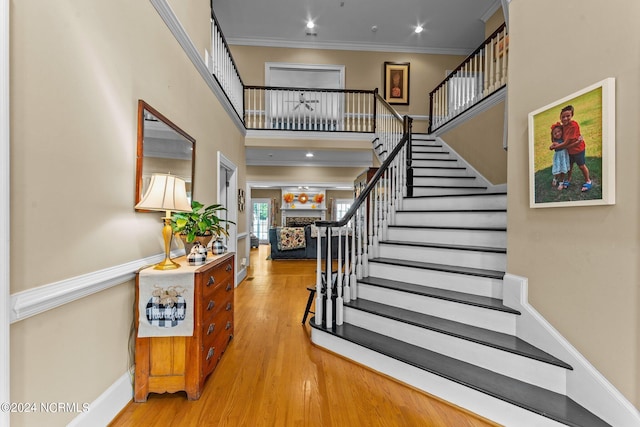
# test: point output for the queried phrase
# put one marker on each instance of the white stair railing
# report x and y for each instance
(357, 235)
(223, 68)
(481, 74)
(328, 110)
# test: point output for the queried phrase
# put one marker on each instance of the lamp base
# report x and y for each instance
(166, 264)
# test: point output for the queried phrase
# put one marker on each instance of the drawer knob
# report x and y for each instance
(211, 352)
(228, 306)
(229, 287)
(228, 326)
(211, 281)
(228, 267)
(210, 305)
(212, 326)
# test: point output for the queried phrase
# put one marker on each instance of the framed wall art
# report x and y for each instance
(572, 149)
(396, 83)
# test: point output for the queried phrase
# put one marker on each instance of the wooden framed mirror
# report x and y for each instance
(162, 148)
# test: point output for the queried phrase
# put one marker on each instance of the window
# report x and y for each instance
(341, 206)
(260, 219)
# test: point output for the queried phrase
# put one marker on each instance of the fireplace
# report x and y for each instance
(300, 221)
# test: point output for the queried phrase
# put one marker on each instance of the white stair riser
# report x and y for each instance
(494, 320)
(417, 157)
(462, 258)
(445, 181)
(496, 201)
(466, 397)
(435, 162)
(494, 239)
(531, 371)
(444, 191)
(452, 219)
(448, 171)
(475, 285)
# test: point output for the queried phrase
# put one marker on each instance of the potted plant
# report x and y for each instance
(202, 224)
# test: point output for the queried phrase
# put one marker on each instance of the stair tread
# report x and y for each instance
(498, 340)
(437, 167)
(451, 210)
(442, 267)
(547, 403)
(438, 227)
(476, 187)
(443, 176)
(439, 293)
(446, 246)
(458, 195)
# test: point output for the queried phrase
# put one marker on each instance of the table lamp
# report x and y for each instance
(167, 193)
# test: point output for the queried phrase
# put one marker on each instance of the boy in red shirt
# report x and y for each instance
(574, 143)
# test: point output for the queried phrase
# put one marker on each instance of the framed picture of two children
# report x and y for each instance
(572, 149)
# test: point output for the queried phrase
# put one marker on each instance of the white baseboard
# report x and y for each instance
(241, 275)
(585, 384)
(105, 408)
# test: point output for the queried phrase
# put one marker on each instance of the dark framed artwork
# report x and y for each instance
(582, 125)
(396, 83)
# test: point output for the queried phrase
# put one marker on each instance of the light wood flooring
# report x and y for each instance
(271, 374)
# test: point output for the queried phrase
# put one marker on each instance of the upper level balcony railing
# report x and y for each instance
(479, 76)
(309, 109)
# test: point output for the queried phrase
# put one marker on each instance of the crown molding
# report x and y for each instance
(189, 48)
(264, 42)
(497, 4)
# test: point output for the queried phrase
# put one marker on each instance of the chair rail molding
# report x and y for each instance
(34, 301)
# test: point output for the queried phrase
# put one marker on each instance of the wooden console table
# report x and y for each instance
(171, 364)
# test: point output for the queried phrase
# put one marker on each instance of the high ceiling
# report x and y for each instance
(450, 26)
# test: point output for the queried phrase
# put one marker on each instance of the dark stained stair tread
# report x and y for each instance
(439, 227)
(458, 195)
(533, 398)
(444, 294)
(445, 246)
(451, 210)
(441, 267)
(498, 340)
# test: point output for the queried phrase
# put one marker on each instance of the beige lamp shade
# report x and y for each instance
(166, 192)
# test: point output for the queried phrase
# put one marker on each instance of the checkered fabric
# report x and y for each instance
(166, 315)
(197, 258)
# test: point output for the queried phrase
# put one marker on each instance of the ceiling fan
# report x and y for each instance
(302, 101)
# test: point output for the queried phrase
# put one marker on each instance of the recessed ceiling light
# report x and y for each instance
(309, 154)
(310, 25)
(419, 29)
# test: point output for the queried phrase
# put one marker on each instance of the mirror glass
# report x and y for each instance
(162, 148)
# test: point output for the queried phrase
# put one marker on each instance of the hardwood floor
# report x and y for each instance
(271, 374)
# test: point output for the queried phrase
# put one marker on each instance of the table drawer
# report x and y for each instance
(216, 325)
(215, 276)
(217, 300)
(213, 351)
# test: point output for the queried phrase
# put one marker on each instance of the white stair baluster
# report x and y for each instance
(339, 301)
(318, 314)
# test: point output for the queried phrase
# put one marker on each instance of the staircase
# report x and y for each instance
(430, 313)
